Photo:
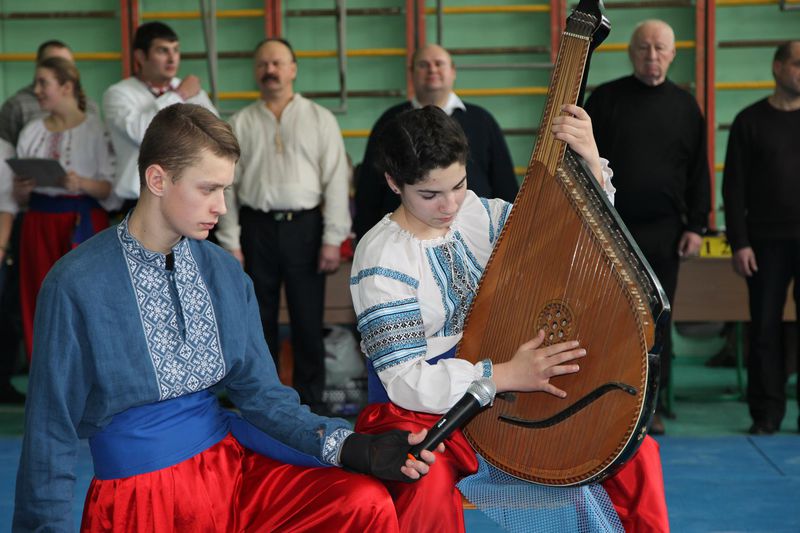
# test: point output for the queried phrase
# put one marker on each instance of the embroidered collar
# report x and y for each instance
(159, 91)
(134, 249)
(178, 318)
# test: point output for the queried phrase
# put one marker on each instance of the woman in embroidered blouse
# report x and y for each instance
(61, 217)
(414, 276)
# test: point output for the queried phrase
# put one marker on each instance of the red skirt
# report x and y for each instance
(422, 506)
(45, 238)
(228, 488)
(636, 490)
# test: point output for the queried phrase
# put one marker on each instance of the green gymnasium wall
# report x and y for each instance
(733, 22)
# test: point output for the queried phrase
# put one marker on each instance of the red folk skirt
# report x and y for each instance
(228, 488)
(433, 503)
(45, 238)
(636, 490)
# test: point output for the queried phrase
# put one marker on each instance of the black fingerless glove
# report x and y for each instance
(379, 455)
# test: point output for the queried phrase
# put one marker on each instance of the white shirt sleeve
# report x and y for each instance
(334, 181)
(608, 173)
(126, 113)
(228, 229)
(202, 99)
(7, 203)
(394, 339)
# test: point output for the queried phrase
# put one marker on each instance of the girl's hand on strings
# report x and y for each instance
(533, 365)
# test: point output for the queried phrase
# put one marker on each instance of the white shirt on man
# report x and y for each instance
(129, 106)
(291, 164)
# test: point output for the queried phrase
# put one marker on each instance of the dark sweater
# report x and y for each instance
(490, 172)
(654, 139)
(761, 184)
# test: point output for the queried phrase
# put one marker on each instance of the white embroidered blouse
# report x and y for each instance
(411, 297)
(85, 149)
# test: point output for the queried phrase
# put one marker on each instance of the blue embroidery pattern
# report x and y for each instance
(485, 204)
(503, 217)
(494, 231)
(456, 272)
(177, 317)
(332, 445)
(392, 333)
(387, 272)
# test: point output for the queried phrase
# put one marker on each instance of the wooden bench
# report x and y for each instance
(708, 291)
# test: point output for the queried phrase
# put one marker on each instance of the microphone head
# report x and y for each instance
(483, 390)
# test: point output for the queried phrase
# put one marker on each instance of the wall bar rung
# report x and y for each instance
(497, 50)
(376, 93)
(763, 43)
(31, 15)
(352, 12)
(79, 56)
(736, 3)
(503, 91)
(504, 66)
(188, 15)
(472, 10)
(655, 4)
(745, 85)
(623, 47)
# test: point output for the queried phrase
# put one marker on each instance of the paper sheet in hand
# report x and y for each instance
(46, 172)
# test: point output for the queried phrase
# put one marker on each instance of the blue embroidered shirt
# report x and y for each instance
(116, 329)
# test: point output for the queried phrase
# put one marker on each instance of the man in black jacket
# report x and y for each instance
(760, 188)
(490, 172)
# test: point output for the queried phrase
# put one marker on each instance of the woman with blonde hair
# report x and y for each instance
(60, 216)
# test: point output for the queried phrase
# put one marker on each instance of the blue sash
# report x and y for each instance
(376, 392)
(162, 434)
(82, 205)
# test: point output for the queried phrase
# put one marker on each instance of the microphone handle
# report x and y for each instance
(456, 417)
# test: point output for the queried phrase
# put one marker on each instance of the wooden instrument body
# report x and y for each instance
(565, 263)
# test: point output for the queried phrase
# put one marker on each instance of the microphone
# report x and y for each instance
(479, 394)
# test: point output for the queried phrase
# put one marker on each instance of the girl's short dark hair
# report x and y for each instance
(417, 141)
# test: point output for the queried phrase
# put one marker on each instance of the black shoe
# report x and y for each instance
(10, 395)
(656, 425)
(761, 428)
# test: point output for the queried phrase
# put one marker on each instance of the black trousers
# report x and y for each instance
(278, 251)
(778, 263)
(10, 313)
(659, 244)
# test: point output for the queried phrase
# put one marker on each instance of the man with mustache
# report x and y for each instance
(288, 209)
(130, 105)
(490, 170)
